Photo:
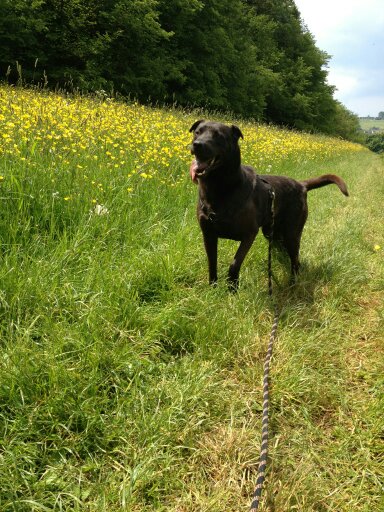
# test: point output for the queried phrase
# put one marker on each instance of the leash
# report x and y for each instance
(265, 419)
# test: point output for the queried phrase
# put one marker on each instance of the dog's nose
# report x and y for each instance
(197, 144)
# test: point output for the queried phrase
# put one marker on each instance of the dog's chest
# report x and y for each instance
(232, 221)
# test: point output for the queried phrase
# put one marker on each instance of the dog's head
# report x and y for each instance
(215, 147)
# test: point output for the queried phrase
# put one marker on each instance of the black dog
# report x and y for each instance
(234, 202)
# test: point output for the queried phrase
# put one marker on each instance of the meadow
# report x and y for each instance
(367, 123)
(126, 382)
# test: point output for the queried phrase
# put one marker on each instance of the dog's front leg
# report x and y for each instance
(234, 269)
(210, 243)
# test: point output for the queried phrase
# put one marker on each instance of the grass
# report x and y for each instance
(126, 382)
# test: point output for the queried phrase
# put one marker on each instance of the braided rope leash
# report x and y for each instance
(264, 431)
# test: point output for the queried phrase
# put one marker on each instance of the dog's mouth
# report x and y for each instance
(200, 168)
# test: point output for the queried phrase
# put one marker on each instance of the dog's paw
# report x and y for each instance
(233, 283)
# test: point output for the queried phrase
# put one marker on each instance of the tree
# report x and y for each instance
(20, 27)
(344, 123)
(296, 91)
(209, 57)
(128, 51)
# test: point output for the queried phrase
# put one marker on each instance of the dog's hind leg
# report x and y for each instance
(234, 269)
(292, 246)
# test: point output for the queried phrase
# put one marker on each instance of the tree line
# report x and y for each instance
(255, 58)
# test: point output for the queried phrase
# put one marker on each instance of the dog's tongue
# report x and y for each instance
(195, 168)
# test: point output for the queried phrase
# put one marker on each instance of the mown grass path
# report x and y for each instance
(127, 383)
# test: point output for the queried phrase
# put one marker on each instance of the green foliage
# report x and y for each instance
(375, 142)
(298, 94)
(344, 123)
(254, 58)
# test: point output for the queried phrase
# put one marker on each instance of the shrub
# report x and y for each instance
(375, 142)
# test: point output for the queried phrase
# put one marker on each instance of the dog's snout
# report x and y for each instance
(198, 146)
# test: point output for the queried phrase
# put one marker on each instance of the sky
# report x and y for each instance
(352, 32)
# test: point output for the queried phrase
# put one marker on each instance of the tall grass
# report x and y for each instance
(127, 383)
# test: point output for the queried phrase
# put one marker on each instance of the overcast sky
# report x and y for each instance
(352, 32)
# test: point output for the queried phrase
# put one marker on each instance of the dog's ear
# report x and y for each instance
(236, 132)
(195, 125)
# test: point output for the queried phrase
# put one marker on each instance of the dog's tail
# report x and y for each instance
(325, 179)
